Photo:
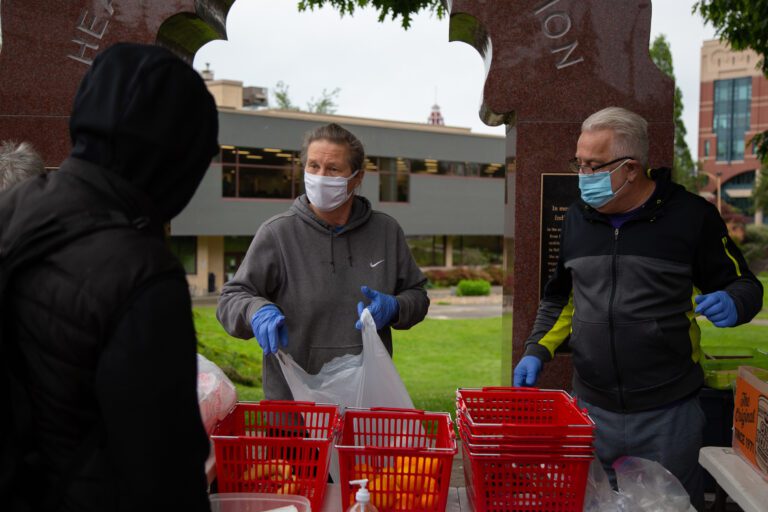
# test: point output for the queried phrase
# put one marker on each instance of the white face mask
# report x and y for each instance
(327, 193)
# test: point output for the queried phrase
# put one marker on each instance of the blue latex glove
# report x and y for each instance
(268, 325)
(383, 308)
(527, 371)
(718, 307)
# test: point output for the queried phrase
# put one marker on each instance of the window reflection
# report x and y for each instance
(275, 173)
(269, 173)
(731, 117)
(394, 179)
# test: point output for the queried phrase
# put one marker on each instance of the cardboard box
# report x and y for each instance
(750, 417)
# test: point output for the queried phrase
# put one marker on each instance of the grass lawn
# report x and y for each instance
(240, 359)
(434, 358)
(749, 335)
(764, 313)
(437, 356)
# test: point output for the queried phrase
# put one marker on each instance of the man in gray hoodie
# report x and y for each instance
(300, 284)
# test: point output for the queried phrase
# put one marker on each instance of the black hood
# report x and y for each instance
(144, 114)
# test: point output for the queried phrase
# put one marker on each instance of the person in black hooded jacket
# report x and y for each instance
(98, 338)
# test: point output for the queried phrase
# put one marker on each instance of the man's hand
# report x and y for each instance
(718, 307)
(527, 371)
(268, 325)
(383, 308)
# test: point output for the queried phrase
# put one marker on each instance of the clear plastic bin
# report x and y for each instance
(257, 502)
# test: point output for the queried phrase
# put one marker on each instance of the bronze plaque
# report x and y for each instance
(558, 191)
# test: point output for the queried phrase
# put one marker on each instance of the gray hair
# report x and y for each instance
(337, 135)
(18, 162)
(630, 129)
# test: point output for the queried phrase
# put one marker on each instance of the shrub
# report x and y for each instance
(755, 247)
(469, 287)
(444, 277)
(496, 274)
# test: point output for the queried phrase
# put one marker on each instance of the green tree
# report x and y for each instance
(326, 104)
(393, 8)
(760, 192)
(683, 166)
(744, 25)
(282, 97)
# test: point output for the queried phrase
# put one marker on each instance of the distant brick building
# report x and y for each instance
(733, 107)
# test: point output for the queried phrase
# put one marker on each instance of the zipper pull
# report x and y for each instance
(616, 233)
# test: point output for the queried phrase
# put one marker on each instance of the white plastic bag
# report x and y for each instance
(599, 496)
(216, 394)
(368, 379)
(644, 486)
(650, 486)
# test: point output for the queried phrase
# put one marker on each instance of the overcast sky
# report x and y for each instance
(386, 72)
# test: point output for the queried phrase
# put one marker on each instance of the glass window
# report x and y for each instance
(229, 181)
(185, 249)
(235, 248)
(260, 173)
(492, 170)
(706, 148)
(428, 251)
(731, 117)
(427, 166)
(394, 179)
(477, 250)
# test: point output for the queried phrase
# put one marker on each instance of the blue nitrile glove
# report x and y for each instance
(718, 307)
(383, 308)
(268, 325)
(527, 371)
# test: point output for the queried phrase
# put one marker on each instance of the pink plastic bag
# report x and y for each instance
(215, 393)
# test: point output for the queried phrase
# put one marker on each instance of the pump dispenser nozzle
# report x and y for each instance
(362, 497)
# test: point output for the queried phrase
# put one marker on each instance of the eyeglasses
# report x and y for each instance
(576, 167)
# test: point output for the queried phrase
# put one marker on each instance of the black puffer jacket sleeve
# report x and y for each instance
(145, 385)
(719, 265)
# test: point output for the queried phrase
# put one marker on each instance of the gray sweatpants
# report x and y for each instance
(671, 436)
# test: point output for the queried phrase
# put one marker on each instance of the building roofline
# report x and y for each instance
(361, 121)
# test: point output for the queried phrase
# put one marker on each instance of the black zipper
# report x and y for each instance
(614, 273)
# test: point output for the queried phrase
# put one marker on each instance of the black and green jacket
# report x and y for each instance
(623, 297)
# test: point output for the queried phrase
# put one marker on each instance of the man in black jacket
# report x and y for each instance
(640, 257)
(99, 347)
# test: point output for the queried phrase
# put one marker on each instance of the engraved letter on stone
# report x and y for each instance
(560, 33)
(564, 63)
(91, 30)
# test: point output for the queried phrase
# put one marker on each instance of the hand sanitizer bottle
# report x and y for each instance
(362, 498)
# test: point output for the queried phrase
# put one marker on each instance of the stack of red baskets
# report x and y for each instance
(405, 454)
(524, 449)
(281, 447)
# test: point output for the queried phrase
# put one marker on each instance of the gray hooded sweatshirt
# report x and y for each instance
(313, 273)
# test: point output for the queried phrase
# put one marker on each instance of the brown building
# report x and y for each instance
(733, 107)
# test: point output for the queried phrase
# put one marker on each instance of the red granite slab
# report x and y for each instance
(550, 64)
(47, 46)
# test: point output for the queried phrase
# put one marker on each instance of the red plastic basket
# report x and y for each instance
(279, 447)
(548, 449)
(522, 440)
(525, 482)
(405, 454)
(521, 412)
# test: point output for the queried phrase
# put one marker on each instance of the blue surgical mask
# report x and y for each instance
(596, 188)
